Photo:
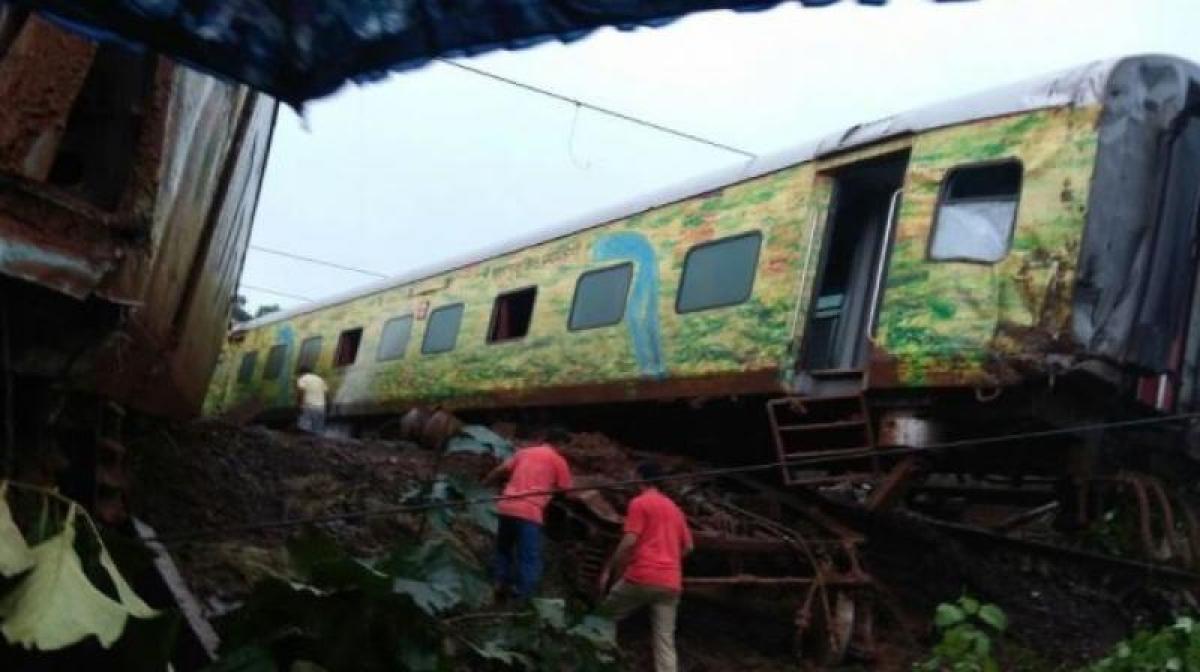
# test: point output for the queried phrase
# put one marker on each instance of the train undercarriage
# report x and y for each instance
(800, 485)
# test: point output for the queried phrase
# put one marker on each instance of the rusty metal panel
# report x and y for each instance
(199, 128)
(69, 266)
(40, 77)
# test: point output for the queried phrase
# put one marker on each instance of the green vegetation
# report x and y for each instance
(967, 629)
(1175, 648)
(60, 585)
(970, 630)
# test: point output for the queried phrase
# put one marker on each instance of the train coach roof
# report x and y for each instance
(1079, 86)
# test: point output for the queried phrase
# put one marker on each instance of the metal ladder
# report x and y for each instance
(822, 427)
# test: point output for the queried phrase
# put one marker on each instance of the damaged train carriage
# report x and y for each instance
(127, 192)
(964, 261)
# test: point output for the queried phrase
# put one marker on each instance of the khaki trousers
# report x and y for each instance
(625, 598)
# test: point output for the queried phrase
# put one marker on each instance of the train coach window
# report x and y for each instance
(719, 273)
(441, 332)
(275, 358)
(600, 297)
(246, 370)
(310, 352)
(511, 315)
(394, 341)
(347, 347)
(976, 213)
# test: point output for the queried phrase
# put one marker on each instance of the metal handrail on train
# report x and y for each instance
(804, 281)
(881, 267)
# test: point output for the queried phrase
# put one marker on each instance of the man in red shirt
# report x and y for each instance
(649, 561)
(536, 468)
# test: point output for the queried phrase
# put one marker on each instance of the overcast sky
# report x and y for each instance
(432, 164)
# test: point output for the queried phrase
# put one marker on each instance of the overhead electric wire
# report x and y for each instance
(276, 293)
(751, 156)
(314, 260)
(197, 535)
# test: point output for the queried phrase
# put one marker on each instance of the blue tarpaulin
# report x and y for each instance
(297, 50)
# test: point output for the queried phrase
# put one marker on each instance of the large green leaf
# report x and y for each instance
(15, 556)
(430, 597)
(499, 651)
(55, 605)
(551, 612)
(598, 631)
(438, 576)
(993, 616)
(948, 615)
(320, 562)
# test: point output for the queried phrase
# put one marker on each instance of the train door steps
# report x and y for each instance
(829, 383)
(819, 427)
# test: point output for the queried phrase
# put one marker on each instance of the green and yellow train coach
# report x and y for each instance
(992, 244)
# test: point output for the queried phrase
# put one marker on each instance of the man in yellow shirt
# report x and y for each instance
(312, 396)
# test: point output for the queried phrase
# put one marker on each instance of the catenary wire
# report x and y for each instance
(751, 156)
(208, 533)
(276, 292)
(314, 260)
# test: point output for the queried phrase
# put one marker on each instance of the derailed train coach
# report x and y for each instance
(127, 191)
(1024, 257)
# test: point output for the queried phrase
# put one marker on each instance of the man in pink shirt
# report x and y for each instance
(649, 562)
(536, 468)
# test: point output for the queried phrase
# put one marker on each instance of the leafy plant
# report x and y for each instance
(1175, 648)
(423, 607)
(967, 628)
(54, 599)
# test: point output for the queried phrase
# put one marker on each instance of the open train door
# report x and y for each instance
(850, 275)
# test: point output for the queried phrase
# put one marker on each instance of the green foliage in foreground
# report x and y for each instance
(59, 587)
(421, 608)
(1175, 648)
(967, 628)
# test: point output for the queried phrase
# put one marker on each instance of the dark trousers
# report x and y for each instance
(518, 560)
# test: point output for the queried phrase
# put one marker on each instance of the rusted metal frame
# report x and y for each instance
(894, 485)
(1146, 493)
(71, 264)
(1024, 518)
(1008, 496)
(1179, 544)
(215, 208)
(137, 203)
(40, 78)
(1143, 568)
(803, 506)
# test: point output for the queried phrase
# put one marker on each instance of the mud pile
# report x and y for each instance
(209, 476)
(201, 482)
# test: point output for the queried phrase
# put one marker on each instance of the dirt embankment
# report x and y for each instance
(208, 476)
